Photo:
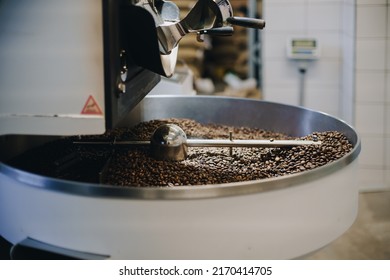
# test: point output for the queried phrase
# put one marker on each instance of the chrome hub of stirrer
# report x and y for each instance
(169, 142)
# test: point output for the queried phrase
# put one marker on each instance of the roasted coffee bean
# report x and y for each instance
(135, 167)
(213, 165)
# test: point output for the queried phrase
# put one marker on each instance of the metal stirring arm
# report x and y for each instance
(169, 142)
(216, 143)
(248, 143)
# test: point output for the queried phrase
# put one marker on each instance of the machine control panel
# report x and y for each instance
(303, 48)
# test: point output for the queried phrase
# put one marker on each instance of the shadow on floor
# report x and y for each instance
(369, 236)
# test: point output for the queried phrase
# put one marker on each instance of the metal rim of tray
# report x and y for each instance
(185, 192)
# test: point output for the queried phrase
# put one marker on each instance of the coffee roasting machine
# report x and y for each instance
(84, 67)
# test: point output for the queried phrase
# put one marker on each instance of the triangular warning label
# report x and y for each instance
(91, 107)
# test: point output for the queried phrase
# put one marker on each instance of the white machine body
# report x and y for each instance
(52, 67)
(71, 67)
(281, 224)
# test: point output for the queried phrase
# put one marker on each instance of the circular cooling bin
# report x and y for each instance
(278, 218)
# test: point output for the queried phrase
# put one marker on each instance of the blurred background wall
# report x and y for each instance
(351, 79)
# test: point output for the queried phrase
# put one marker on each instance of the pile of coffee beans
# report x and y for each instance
(134, 166)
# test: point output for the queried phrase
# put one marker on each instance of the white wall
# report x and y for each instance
(348, 54)
(303, 18)
(372, 95)
(351, 80)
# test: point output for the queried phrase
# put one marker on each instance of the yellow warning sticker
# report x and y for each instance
(91, 107)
